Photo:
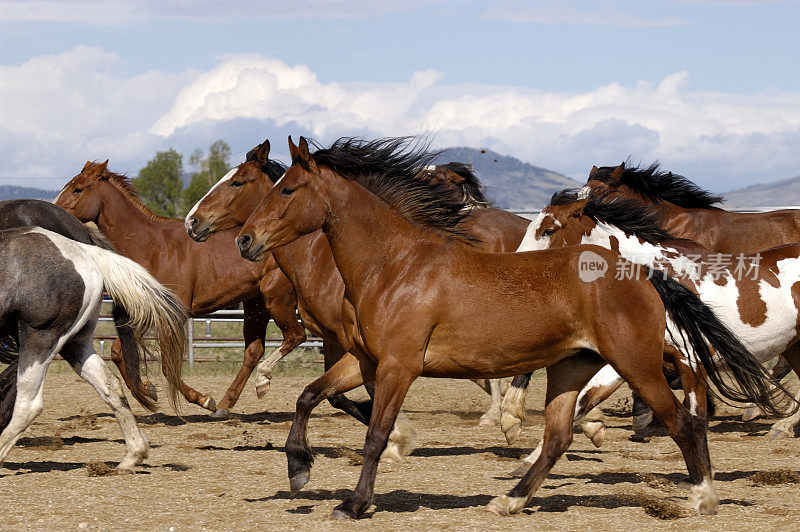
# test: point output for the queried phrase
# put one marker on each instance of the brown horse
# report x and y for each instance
(309, 263)
(418, 302)
(688, 211)
(206, 278)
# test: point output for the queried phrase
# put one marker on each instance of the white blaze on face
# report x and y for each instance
(63, 190)
(531, 242)
(279, 180)
(224, 178)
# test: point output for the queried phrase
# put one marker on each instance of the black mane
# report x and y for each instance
(631, 216)
(273, 169)
(564, 197)
(471, 185)
(389, 168)
(658, 185)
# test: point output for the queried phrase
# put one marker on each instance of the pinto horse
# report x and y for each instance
(309, 263)
(51, 289)
(205, 279)
(419, 302)
(756, 297)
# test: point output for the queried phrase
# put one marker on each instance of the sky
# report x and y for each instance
(710, 88)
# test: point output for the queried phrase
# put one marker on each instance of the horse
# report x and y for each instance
(309, 263)
(757, 297)
(52, 290)
(206, 280)
(421, 301)
(688, 211)
(28, 212)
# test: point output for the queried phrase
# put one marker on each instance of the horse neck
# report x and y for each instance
(364, 233)
(131, 231)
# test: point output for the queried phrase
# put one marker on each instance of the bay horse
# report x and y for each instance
(52, 290)
(418, 302)
(756, 297)
(206, 279)
(317, 282)
(33, 212)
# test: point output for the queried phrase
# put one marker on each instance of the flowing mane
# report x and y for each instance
(658, 185)
(631, 216)
(273, 169)
(389, 168)
(124, 185)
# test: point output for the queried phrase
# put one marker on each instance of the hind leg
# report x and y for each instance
(513, 407)
(565, 379)
(360, 411)
(647, 380)
(116, 357)
(785, 427)
(80, 354)
(492, 416)
(35, 355)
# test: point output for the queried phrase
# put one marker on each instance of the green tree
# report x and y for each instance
(208, 171)
(159, 183)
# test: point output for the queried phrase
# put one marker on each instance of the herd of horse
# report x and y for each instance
(404, 270)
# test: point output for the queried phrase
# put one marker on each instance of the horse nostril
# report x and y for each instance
(192, 222)
(244, 242)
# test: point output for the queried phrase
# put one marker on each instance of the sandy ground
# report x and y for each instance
(231, 475)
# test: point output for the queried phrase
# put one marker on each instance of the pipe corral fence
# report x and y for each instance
(209, 341)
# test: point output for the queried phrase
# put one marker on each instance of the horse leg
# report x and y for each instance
(785, 427)
(492, 416)
(393, 377)
(281, 302)
(513, 407)
(689, 434)
(565, 379)
(190, 394)
(360, 411)
(695, 399)
(79, 352)
(36, 352)
(779, 371)
(116, 357)
(343, 376)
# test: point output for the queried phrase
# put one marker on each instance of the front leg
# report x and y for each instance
(392, 379)
(345, 375)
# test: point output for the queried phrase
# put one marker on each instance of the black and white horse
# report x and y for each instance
(50, 295)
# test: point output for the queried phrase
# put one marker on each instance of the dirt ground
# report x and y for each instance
(231, 475)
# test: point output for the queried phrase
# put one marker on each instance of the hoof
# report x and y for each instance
(262, 386)
(513, 432)
(505, 505)
(778, 434)
(521, 469)
(751, 413)
(220, 413)
(488, 421)
(340, 514)
(345, 511)
(125, 470)
(599, 437)
(210, 404)
(299, 480)
(641, 421)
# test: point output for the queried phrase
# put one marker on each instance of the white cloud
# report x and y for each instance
(61, 110)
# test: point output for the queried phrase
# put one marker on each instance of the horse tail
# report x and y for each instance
(697, 326)
(8, 392)
(142, 303)
(97, 238)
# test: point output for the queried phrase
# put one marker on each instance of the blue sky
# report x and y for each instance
(709, 87)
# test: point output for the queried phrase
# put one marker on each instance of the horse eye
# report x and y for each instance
(77, 190)
(549, 232)
(287, 192)
(237, 184)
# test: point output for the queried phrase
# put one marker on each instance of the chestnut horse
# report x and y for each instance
(206, 278)
(317, 282)
(418, 302)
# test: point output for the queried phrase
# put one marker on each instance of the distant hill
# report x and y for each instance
(782, 193)
(14, 192)
(510, 183)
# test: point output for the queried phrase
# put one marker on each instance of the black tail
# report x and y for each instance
(131, 356)
(695, 320)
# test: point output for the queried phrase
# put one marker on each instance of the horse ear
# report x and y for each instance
(592, 172)
(87, 165)
(262, 152)
(616, 174)
(101, 170)
(294, 151)
(305, 155)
